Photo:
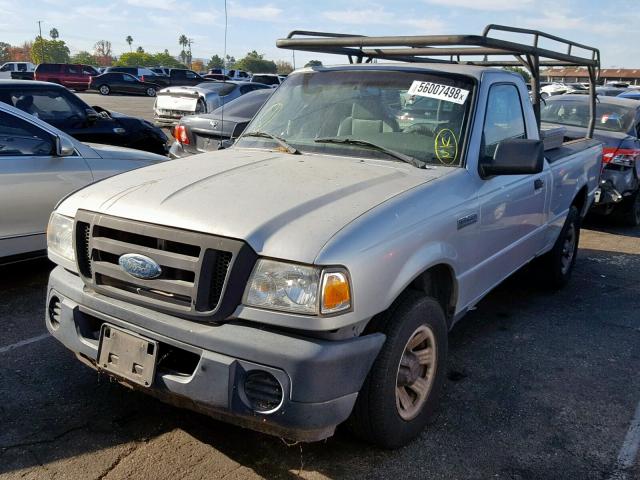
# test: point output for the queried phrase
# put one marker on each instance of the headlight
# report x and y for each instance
(60, 236)
(296, 288)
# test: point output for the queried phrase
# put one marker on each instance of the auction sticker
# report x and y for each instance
(439, 91)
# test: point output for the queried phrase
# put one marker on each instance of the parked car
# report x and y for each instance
(609, 91)
(74, 76)
(61, 108)
(632, 94)
(311, 273)
(208, 132)
(161, 70)
(40, 165)
(554, 88)
(618, 127)
(8, 69)
(239, 75)
(173, 103)
(116, 82)
(143, 74)
(270, 79)
(615, 84)
(217, 76)
(183, 77)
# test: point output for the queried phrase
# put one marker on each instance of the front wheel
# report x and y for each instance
(151, 92)
(104, 90)
(403, 387)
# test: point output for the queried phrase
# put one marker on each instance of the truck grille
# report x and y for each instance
(196, 268)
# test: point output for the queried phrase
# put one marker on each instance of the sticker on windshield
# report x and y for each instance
(439, 91)
(446, 146)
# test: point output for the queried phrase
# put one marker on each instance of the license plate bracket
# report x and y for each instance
(128, 355)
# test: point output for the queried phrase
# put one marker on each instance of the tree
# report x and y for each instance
(102, 52)
(4, 52)
(129, 40)
(197, 66)
(144, 59)
(215, 62)
(53, 33)
(21, 53)
(283, 67)
(255, 62)
(183, 41)
(166, 60)
(140, 49)
(84, 57)
(313, 63)
(521, 71)
(230, 62)
(55, 51)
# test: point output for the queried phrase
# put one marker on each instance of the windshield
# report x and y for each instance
(420, 115)
(614, 118)
(220, 88)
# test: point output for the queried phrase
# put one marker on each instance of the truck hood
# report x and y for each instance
(285, 206)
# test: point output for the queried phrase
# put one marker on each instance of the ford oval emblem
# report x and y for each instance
(140, 266)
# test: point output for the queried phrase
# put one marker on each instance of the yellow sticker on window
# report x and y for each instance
(446, 146)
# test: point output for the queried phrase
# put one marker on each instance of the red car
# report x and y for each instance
(73, 76)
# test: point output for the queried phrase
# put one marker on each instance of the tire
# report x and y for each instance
(104, 90)
(151, 92)
(629, 211)
(379, 416)
(201, 107)
(556, 266)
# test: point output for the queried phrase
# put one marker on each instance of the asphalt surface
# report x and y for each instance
(137, 106)
(540, 385)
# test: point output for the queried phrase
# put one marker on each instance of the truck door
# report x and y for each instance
(512, 207)
(32, 180)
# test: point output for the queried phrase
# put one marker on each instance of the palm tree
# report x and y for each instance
(53, 33)
(183, 41)
(129, 40)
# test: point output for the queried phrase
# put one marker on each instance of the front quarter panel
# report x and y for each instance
(391, 245)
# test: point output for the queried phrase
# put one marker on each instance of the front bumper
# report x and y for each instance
(320, 379)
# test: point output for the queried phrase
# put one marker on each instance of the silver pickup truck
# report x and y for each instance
(310, 274)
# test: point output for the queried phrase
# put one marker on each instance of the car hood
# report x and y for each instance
(111, 152)
(285, 206)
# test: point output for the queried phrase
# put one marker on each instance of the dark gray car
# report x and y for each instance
(205, 133)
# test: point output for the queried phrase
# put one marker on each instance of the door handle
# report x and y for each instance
(538, 183)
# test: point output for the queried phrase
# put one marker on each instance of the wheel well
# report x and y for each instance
(439, 282)
(580, 201)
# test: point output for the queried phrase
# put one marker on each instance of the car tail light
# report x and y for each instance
(620, 156)
(180, 134)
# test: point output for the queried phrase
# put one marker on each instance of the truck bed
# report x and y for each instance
(570, 148)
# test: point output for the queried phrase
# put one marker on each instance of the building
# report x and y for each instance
(628, 75)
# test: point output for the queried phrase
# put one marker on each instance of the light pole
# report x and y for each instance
(41, 41)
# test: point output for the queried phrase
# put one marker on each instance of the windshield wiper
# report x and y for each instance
(363, 143)
(281, 141)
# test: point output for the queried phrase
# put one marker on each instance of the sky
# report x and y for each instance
(612, 26)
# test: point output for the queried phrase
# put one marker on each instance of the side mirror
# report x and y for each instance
(92, 115)
(514, 157)
(64, 147)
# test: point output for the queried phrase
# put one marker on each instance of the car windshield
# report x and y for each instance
(351, 112)
(615, 118)
(220, 88)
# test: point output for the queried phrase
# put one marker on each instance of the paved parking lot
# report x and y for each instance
(540, 386)
(137, 106)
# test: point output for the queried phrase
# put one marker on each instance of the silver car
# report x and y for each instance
(40, 165)
(172, 103)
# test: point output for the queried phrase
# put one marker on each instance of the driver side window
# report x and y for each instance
(20, 138)
(504, 118)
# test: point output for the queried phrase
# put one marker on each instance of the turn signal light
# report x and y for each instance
(620, 156)
(336, 293)
(180, 134)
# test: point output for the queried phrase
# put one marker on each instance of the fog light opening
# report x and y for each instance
(54, 311)
(263, 392)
